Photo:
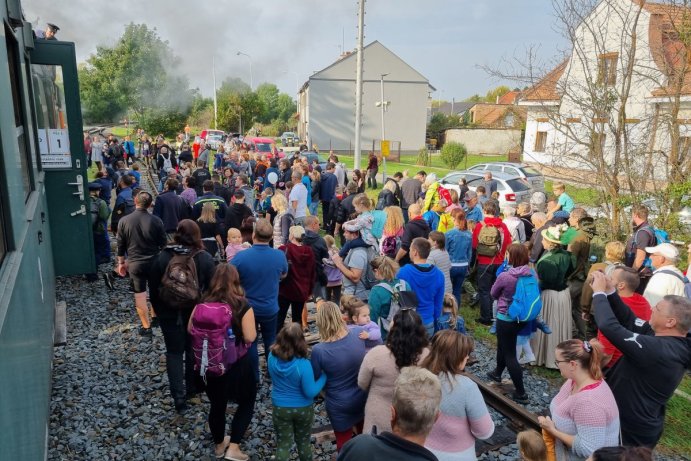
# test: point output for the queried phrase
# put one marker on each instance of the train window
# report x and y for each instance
(19, 113)
(51, 116)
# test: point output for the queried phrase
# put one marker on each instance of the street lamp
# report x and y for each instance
(239, 53)
(384, 107)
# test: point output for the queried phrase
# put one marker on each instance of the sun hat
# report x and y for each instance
(554, 234)
(667, 250)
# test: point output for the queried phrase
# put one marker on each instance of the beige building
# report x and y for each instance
(326, 103)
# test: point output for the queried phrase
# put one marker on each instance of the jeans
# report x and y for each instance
(507, 332)
(486, 276)
(430, 329)
(178, 347)
(458, 274)
(267, 326)
(313, 207)
(372, 178)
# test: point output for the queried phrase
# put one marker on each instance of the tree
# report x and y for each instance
(493, 95)
(453, 153)
(132, 77)
(268, 95)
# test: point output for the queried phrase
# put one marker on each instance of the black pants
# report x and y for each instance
(239, 385)
(506, 353)
(334, 294)
(326, 225)
(295, 311)
(649, 440)
(179, 355)
(486, 276)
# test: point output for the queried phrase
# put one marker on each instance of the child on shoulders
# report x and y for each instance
(235, 244)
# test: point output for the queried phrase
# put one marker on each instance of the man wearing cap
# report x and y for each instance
(49, 33)
(473, 210)
(666, 279)
(355, 267)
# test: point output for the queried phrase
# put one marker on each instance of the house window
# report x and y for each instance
(509, 120)
(607, 69)
(540, 141)
(19, 115)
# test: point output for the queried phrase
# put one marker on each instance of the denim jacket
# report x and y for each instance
(459, 244)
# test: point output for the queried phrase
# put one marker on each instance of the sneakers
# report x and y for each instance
(493, 329)
(146, 332)
(543, 327)
(181, 407)
(474, 299)
(235, 454)
(520, 398)
(109, 281)
(494, 377)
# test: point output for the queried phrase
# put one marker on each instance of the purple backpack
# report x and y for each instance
(214, 351)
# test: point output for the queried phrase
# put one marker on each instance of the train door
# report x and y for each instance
(60, 140)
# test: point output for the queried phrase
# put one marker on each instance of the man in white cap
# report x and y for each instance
(667, 279)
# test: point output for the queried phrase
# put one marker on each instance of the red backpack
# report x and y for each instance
(214, 344)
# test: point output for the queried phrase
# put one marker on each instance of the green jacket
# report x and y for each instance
(553, 269)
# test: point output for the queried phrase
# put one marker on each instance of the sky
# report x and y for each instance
(288, 40)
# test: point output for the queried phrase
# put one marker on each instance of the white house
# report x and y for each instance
(627, 80)
(326, 103)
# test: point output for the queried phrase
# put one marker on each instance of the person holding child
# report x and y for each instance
(292, 392)
(406, 345)
(385, 270)
(464, 416)
(235, 243)
(357, 316)
(334, 277)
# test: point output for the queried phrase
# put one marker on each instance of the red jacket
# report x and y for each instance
(299, 283)
(641, 309)
(505, 240)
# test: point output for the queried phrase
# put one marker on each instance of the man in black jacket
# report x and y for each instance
(141, 237)
(416, 227)
(314, 240)
(656, 354)
(345, 209)
(236, 213)
(327, 192)
(170, 207)
(414, 410)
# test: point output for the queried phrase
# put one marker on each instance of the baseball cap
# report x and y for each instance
(95, 185)
(667, 250)
(471, 194)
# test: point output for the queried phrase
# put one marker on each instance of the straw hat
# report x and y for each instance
(554, 234)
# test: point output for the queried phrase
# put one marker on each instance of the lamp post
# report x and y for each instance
(240, 53)
(384, 106)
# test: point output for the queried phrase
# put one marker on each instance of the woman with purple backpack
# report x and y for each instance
(237, 381)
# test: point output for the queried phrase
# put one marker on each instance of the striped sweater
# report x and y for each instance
(591, 415)
(464, 418)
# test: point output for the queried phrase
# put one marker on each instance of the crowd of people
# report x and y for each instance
(234, 236)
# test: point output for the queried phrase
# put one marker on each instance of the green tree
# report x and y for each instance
(133, 76)
(499, 91)
(453, 153)
(268, 95)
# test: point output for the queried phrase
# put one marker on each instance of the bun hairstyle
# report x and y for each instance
(588, 355)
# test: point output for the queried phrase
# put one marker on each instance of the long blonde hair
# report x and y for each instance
(279, 203)
(208, 214)
(394, 220)
(329, 321)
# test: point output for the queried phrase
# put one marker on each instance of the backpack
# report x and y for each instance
(527, 303)
(444, 194)
(401, 298)
(120, 211)
(167, 163)
(378, 223)
(96, 219)
(214, 350)
(660, 235)
(390, 246)
(488, 241)
(179, 287)
(687, 283)
(369, 280)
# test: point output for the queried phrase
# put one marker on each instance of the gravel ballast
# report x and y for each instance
(110, 397)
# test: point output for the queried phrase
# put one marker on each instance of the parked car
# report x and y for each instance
(289, 139)
(263, 146)
(213, 138)
(534, 177)
(512, 189)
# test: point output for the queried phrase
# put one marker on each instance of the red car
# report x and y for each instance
(263, 146)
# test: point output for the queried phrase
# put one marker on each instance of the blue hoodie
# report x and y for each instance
(427, 282)
(293, 382)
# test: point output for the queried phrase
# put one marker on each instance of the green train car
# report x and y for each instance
(45, 227)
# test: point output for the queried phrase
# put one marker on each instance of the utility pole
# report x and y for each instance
(213, 70)
(358, 84)
(384, 105)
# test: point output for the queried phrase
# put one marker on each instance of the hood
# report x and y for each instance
(310, 237)
(421, 223)
(299, 254)
(179, 249)
(520, 271)
(284, 368)
(492, 221)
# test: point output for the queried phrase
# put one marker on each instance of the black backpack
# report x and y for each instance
(179, 287)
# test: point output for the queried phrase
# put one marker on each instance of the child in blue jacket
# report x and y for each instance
(293, 392)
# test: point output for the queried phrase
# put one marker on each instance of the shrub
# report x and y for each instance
(423, 157)
(453, 153)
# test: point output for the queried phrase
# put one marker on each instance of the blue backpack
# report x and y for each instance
(526, 304)
(661, 236)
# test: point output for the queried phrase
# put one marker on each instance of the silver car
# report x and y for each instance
(534, 177)
(512, 189)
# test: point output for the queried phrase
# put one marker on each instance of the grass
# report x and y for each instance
(676, 439)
